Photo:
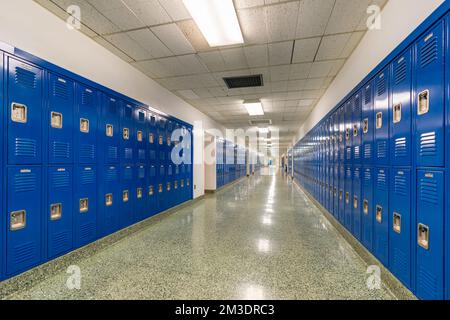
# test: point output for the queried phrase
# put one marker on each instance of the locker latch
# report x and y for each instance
(18, 112)
(160, 188)
(340, 138)
(126, 133)
(397, 113)
(379, 120)
(84, 125)
(347, 134)
(397, 222)
(150, 190)
(182, 183)
(84, 205)
(188, 183)
(355, 202)
(355, 130)
(109, 130)
(108, 199)
(366, 125)
(168, 141)
(366, 207)
(56, 120)
(347, 198)
(168, 186)
(335, 192)
(160, 140)
(18, 220)
(55, 211)
(139, 193)
(379, 214)
(139, 136)
(151, 138)
(175, 184)
(125, 196)
(424, 102)
(423, 236)
(340, 194)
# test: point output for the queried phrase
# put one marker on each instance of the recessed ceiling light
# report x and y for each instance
(217, 20)
(254, 108)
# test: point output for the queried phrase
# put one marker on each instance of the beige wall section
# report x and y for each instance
(28, 26)
(398, 19)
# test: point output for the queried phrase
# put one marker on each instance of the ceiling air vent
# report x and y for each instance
(260, 122)
(244, 81)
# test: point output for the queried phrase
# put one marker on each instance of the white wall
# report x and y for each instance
(28, 26)
(398, 19)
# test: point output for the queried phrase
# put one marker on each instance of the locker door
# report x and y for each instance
(59, 210)
(368, 124)
(336, 192)
(152, 194)
(141, 134)
(381, 124)
(348, 131)
(429, 98)
(60, 120)
(342, 137)
(356, 130)
(109, 130)
(381, 211)
(127, 196)
(128, 134)
(336, 136)
(23, 236)
(401, 111)
(367, 208)
(109, 201)
(86, 124)
(161, 188)
(85, 205)
(356, 202)
(24, 113)
(348, 198)
(430, 235)
(141, 194)
(342, 194)
(400, 225)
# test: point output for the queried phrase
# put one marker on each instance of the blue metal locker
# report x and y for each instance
(109, 201)
(381, 211)
(430, 235)
(141, 194)
(127, 196)
(367, 208)
(2, 217)
(400, 225)
(336, 136)
(141, 134)
(401, 110)
(23, 235)
(109, 130)
(85, 205)
(152, 190)
(336, 192)
(86, 124)
(356, 202)
(342, 136)
(161, 188)
(128, 134)
(368, 124)
(348, 198)
(60, 119)
(59, 210)
(25, 105)
(381, 111)
(348, 131)
(356, 127)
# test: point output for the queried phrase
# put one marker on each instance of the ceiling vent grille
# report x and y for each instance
(244, 81)
(260, 122)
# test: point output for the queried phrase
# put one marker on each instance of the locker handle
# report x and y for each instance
(109, 130)
(108, 199)
(397, 116)
(139, 193)
(84, 125)
(365, 125)
(423, 236)
(379, 214)
(347, 134)
(366, 207)
(55, 211)
(355, 202)
(125, 196)
(56, 120)
(19, 112)
(18, 220)
(126, 133)
(160, 188)
(347, 198)
(423, 102)
(84, 205)
(151, 138)
(150, 190)
(139, 136)
(355, 130)
(379, 120)
(397, 222)
(340, 194)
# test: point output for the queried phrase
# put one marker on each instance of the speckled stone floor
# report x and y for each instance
(258, 239)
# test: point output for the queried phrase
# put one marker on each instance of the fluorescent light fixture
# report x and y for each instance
(254, 108)
(217, 20)
(263, 130)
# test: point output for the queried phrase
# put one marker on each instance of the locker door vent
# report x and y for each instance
(25, 182)
(60, 179)
(400, 72)
(24, 253)
(367, 151)
(87, 151)
(400, 185)
(427, 144)
(381, 181)
(112, 152)
(141, 173)
(382, 149)
(381, 86)
(400, 148)
(128, 153)
(61, 150)
(87, 231)
(429, 52)
(60, 89)
(141, 154)
(400, 264)
(87, 97)
(87, 177)
(128, 112)
(152, 171)
(152, 155)
(427, 283)
(25, 147)
(111, 175)
(25, 78)
(428, 191)
(367, 95)
(128, 175)
(112, 106)
(60, 241)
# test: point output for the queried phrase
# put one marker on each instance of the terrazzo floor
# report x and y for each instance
(258, 239)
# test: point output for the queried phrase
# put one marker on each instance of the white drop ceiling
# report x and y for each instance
(298, 46)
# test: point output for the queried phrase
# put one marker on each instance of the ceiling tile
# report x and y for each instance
(352, 43)
(218, 91)
(321, 69)
(173, 38)
(146, 39)
(281, 20)
(299, 71)
(313, 17)
(113, 49)
(312, 84)
(176, 9)
(338, 64)
(295, 85)
(213, 60)
(346, 16)
(188, 94)
(191, 64)
(331, 47)
(257, 55)
(100, 5)
(242, 4)
(129, 46)
(194, 35)
(152, 68)
(171, 66)
(305, 50)
(253, 25)
(123, 18)
(279, 73)
(149, 12)
(234, 58)
(280, 53)
(279, 86)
